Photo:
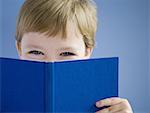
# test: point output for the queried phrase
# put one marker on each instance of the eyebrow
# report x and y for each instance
(34, 46)
(60, 49)
(68, 48)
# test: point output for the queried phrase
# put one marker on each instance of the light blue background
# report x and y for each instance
(149, 51)
(0, 28)
(123, 31)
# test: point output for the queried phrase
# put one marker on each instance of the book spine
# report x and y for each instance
(49, 93)
(52, 87)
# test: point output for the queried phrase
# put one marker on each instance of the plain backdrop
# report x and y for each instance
(123, 31)
(149, 50)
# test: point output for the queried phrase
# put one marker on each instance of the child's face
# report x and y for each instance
(39, 47)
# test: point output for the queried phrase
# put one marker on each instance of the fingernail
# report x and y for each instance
(98, 104)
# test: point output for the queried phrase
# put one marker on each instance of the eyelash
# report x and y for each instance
(68, 54)
(62, 54)
(36, 52)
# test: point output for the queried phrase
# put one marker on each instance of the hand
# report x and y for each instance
(117, 105)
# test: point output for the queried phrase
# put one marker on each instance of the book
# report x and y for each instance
(51, 87)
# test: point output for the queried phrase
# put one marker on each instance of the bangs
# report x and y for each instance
(52, 16)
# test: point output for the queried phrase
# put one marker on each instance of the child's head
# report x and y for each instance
(54, 30)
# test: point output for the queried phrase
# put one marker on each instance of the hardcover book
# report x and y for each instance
(66, 86)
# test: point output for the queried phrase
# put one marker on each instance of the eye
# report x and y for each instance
(35, 52)
(67, 54)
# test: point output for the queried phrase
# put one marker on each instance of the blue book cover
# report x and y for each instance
(68, 86)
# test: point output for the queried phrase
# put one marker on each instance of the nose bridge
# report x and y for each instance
(50, 59)
(50, 56)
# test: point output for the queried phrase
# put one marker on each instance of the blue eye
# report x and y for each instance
(67, 54)
(35, 52)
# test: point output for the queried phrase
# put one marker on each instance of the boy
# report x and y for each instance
(58, 30)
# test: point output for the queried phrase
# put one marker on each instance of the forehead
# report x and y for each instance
(35, 39)
(73, 39)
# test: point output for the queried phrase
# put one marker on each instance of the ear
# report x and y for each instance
(88, 52)
(18, 47)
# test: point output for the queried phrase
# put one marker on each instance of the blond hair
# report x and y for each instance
(51, 16)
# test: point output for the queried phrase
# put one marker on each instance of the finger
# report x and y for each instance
(106, 110)
(124, 111)
(114, 108)
(109, 101)
(118, 107)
